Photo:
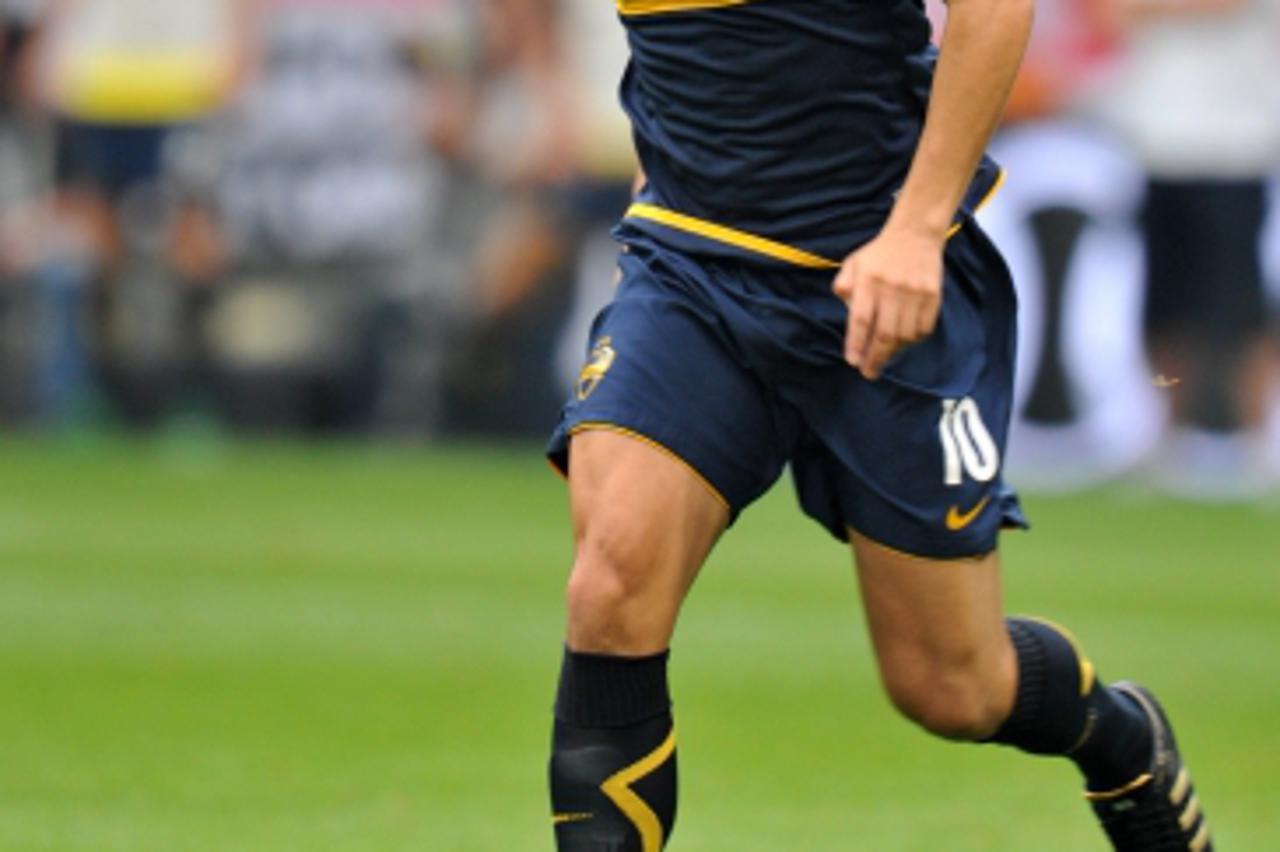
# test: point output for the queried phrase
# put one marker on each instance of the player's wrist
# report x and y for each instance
(920, 218)
(930, 228)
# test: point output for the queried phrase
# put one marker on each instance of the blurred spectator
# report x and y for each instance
(597, 56)
(1197, 95)
(1071, 45)
(547, 130)
(1085, 408)
(326, 195)
(517, 136)
(20, 182)
(17, 23)
(117, 78)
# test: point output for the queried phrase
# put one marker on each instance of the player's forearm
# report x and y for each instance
(982, 47)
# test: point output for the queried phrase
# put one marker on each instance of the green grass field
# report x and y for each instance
(205, 647)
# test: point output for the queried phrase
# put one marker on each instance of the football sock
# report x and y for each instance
(1063, 709)
(613, 761)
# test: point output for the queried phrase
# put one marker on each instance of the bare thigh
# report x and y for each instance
(643, 523)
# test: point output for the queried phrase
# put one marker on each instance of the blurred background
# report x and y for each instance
(290, 293)
(390, 218)
(356, 218)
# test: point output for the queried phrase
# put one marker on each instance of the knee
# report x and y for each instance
(598, 589)
(612, 601)
(956, 698)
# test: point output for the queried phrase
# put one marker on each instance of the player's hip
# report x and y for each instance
(787, 326)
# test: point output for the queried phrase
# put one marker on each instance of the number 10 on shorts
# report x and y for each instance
(967, 445)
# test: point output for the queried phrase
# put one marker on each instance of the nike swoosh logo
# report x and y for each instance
(956, 521)
(559, 819)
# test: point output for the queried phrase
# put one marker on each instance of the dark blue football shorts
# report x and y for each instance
(738, 370)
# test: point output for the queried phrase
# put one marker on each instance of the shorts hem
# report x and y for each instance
(559, 457)
(1011, 518)
(933, 554)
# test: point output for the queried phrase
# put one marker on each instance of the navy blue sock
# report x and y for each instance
(1063, 709)
(613, 761)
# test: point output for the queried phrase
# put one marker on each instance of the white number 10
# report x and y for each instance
(967, 446)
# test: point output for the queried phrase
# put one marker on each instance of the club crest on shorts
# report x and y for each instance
(597, 366)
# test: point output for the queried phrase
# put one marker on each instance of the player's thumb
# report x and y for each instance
(846, 280)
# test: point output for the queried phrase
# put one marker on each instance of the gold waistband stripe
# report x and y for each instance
(730, 236)
(657, 7)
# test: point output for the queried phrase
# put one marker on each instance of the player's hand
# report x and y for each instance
(893, 287)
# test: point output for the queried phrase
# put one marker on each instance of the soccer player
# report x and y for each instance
(786, 144)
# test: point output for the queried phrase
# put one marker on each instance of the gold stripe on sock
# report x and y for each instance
(1180, 786)
(1108, 795)
(560, 819)
(1190, 814)
(618, 788)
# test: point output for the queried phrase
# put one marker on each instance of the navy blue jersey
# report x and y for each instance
(776, 130)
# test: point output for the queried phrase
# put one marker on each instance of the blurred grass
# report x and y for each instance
(208, 647)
